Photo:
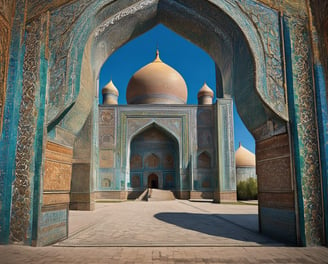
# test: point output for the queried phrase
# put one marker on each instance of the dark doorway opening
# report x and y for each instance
(153, 181)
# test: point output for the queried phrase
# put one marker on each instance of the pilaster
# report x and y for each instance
(301, 97)
(226, 189)
(30, 136)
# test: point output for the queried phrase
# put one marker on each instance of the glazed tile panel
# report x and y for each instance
(22, 192)
(305, 133)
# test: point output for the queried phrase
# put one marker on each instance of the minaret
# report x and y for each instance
(205, 95)
(110, 94)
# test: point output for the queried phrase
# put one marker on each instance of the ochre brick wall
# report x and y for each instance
(222, 197)
(119, 195)
(201, 195)
(277, 215)
(273, 169)
(57, 174)
(56, 189)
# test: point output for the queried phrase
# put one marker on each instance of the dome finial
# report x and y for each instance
(157, 59)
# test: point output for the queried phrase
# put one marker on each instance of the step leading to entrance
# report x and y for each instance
(160, 195)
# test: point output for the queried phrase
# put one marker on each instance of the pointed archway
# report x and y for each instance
(58, 91)
(154, 159)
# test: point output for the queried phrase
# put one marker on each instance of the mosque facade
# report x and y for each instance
(158, 141)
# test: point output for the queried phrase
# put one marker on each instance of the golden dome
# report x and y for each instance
(110, 88)
(244, 158)
(205, 91)
(157, 83)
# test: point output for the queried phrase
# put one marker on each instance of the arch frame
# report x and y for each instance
(300, 135)
(137, 131)
(147, 13)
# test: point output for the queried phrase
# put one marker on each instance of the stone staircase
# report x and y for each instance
(143, 196)
(160, 195)
(156, 195)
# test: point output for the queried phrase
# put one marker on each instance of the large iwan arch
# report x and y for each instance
(159, 155)
(263, 59)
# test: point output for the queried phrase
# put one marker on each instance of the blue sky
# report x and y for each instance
(195, 65)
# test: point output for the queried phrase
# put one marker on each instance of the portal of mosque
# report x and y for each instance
(59, 149)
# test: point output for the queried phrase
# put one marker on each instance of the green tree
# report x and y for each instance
(247, 190)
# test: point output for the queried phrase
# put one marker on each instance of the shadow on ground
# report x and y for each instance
(233, 226)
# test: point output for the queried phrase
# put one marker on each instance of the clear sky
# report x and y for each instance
(195, 65)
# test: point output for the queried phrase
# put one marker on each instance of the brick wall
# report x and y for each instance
(56, 188)
(276, 189)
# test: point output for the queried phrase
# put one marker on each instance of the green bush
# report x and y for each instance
(247, 190)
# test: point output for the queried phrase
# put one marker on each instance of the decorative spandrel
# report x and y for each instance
(267, 22)
(62, 90)
(172, 124)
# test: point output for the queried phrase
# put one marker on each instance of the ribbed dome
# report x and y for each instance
(205, 91)
(156, 83)
(244, 158)
(110, 88)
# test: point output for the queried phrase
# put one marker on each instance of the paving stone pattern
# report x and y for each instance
(167, 223)
(164, 232)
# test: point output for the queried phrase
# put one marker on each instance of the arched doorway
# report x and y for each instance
(231, 34)
(261, 94)
(153, 181)
(154, 159)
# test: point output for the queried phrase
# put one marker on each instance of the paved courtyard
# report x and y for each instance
(165, 232)
(166, 223)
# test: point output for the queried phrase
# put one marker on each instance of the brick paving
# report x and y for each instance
(166, 223)
(165, 232)
(21, 254)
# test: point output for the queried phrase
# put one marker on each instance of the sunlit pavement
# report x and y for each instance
(166, 223)
(165, 232)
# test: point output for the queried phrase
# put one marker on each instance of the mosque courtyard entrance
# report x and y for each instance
(266, 59)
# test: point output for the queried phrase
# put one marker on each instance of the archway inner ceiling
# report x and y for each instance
(239, 55)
